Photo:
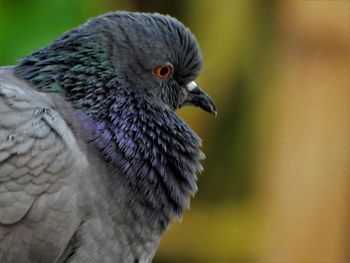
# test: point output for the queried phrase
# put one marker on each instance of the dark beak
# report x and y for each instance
(200, 99)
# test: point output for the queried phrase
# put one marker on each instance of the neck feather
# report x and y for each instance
(75, 66)
(151, 150)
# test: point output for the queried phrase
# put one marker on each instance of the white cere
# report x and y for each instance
(190, 86)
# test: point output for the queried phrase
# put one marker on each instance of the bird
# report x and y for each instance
(95, 163)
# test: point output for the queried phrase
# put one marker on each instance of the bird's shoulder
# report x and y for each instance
(40, 160)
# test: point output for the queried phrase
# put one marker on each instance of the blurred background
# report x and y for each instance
(276, 185)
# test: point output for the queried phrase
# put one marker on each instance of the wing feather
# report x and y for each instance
(40, 164)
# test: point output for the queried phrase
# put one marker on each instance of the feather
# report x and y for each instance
(94, 162)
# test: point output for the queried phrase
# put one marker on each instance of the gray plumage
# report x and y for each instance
(94, 163)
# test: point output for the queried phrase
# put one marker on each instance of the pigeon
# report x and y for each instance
(95, 164)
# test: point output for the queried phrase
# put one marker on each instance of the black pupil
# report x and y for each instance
(164, 71)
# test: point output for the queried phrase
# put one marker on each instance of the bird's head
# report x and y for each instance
(154, 55)
(157, 55)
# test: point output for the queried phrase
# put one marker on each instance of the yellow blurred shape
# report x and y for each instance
(207, 234)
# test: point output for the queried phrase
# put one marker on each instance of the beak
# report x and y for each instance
(199, 98)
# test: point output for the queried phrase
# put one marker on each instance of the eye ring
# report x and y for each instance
(163, 72)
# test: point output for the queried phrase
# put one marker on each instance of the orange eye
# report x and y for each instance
(163, 71)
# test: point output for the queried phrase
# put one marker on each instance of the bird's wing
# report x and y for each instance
(39, 169)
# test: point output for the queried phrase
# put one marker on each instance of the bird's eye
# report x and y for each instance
(163, 71)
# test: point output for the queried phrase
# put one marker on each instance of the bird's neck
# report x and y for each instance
(74, 66)
(151, 151)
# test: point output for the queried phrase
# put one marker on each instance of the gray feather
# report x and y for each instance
(36, 200)
(94, 162)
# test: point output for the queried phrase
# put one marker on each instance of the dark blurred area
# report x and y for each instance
(276, 183)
